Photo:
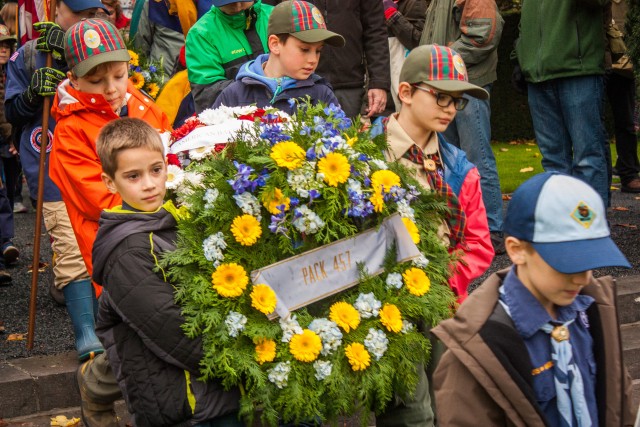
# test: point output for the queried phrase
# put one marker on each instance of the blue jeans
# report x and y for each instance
(471, 132)
(566, 115)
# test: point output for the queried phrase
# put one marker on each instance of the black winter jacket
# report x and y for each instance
(139, 324)
(408, 23)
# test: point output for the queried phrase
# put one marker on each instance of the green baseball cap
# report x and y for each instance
(5, 34)
(303, 21)
(441, 68)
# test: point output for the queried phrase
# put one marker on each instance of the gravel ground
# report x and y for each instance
(53, 332)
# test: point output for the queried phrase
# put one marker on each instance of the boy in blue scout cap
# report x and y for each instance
(539, 343)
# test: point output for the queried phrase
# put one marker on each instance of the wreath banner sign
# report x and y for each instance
(208, 136)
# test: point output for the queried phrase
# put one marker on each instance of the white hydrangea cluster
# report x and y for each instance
(290, 327)
(323, 369)
(213, 247)
(421, 261)
(308, 222)
(394, 280)
(210, 197)
(405, 210)
(302, 179)
(376, 342)
(354, 185)
(407, 326)
(249, 204)
(279, 374)
(379, 164)
(235, 323)
(329, 333)
(367, 305)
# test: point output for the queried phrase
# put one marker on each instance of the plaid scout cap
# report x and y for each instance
(92, 42)
(303, 21)
(441, 68)
(5, 34)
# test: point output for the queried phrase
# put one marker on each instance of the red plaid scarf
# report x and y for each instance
(456, 218)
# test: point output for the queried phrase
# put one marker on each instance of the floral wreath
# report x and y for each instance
(283, 186)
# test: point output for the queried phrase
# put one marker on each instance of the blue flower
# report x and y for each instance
(313, 194)
(273, 133)
(152, 68)
(292, 103)
(311, 153)
(294, 201)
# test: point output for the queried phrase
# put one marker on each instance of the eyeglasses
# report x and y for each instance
(444, 99)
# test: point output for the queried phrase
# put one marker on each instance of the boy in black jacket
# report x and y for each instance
(138, 320)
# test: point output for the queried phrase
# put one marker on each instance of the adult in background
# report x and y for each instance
(366, 53)
(115, 14)
(473, 29)
(561, 53)
(230, 34)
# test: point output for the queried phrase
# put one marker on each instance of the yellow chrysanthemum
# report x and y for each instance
(135, 59)
(275, 199)
(385, 179)
(416, 281)
(335, 167)
(377, 201)
(288, 155)
(230, 280)
(359, 357)
(246, 229)
(263, 299)
(391, 318)
(412, 229)
(306, 346)
(351, 140)
(153, 89)
(137, 80)
(265, 350)
(345, 315)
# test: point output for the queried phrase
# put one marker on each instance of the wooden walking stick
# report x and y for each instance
(44, 142)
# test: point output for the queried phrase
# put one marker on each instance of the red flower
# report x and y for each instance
(189, 125)
(172, 159)
(253, 116)
(219, 147)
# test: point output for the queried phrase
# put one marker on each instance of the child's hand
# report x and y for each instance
(51, 39)
(44, 82)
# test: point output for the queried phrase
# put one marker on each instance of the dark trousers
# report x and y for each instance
(6, 214)
(621, 94)
(351, 100)
(12, 177)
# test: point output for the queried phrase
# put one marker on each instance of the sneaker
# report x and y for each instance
(92, 413)
(20, 208)
(10, 253)
(632, 186)
(497, 240)
(5, 277)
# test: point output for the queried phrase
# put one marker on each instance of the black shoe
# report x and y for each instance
(10, 253)
(632, 186)
(497, 240)
(5, 277)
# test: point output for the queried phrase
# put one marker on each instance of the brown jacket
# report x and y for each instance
(484, 377)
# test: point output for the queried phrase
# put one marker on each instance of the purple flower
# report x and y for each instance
(311, 153)
(273, 133)
(152, 68)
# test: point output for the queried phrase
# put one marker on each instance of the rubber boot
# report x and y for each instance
(80, 305)
(98, 390)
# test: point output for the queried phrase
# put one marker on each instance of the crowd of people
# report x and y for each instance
(419, 71)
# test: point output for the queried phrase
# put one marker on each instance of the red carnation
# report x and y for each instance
(189, 125)
(172, 159)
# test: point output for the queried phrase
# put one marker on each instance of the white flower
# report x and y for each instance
(329, 333)
(290, 327)
(376, 342)
(394, 280)
(279, 374)
(407, 326)
(213, 247)
(323, 369)
(367, 305)
(200, 153)
(235, 323)
(421, 261)
(354, 185)
(380, 164)
(405, 210)
(249, 204)
(175, 176)
(210, 197)
(307, 221)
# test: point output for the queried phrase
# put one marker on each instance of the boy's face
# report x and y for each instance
(109, 81)
(421, 107)
(294, 58)
(66, 17)
(5, 51)
(140, 178)
(235, 8)
(548, 285)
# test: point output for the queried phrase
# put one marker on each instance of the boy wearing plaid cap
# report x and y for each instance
(297, 33)
(97, 91)
(539, 343)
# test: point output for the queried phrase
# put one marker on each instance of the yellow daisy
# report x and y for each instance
(271, 201)
(135, 59)
(153, 89)
(385, 179)
(391, 318)
(416, 281)
(306, 346)
(335, 167)
(359, 357)
(230, 280)
(265, 350)
(263, 299)
(137, 80)
(377, 201)
(288, 155)
(345, 315)
(412, 229)
(246, 229)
